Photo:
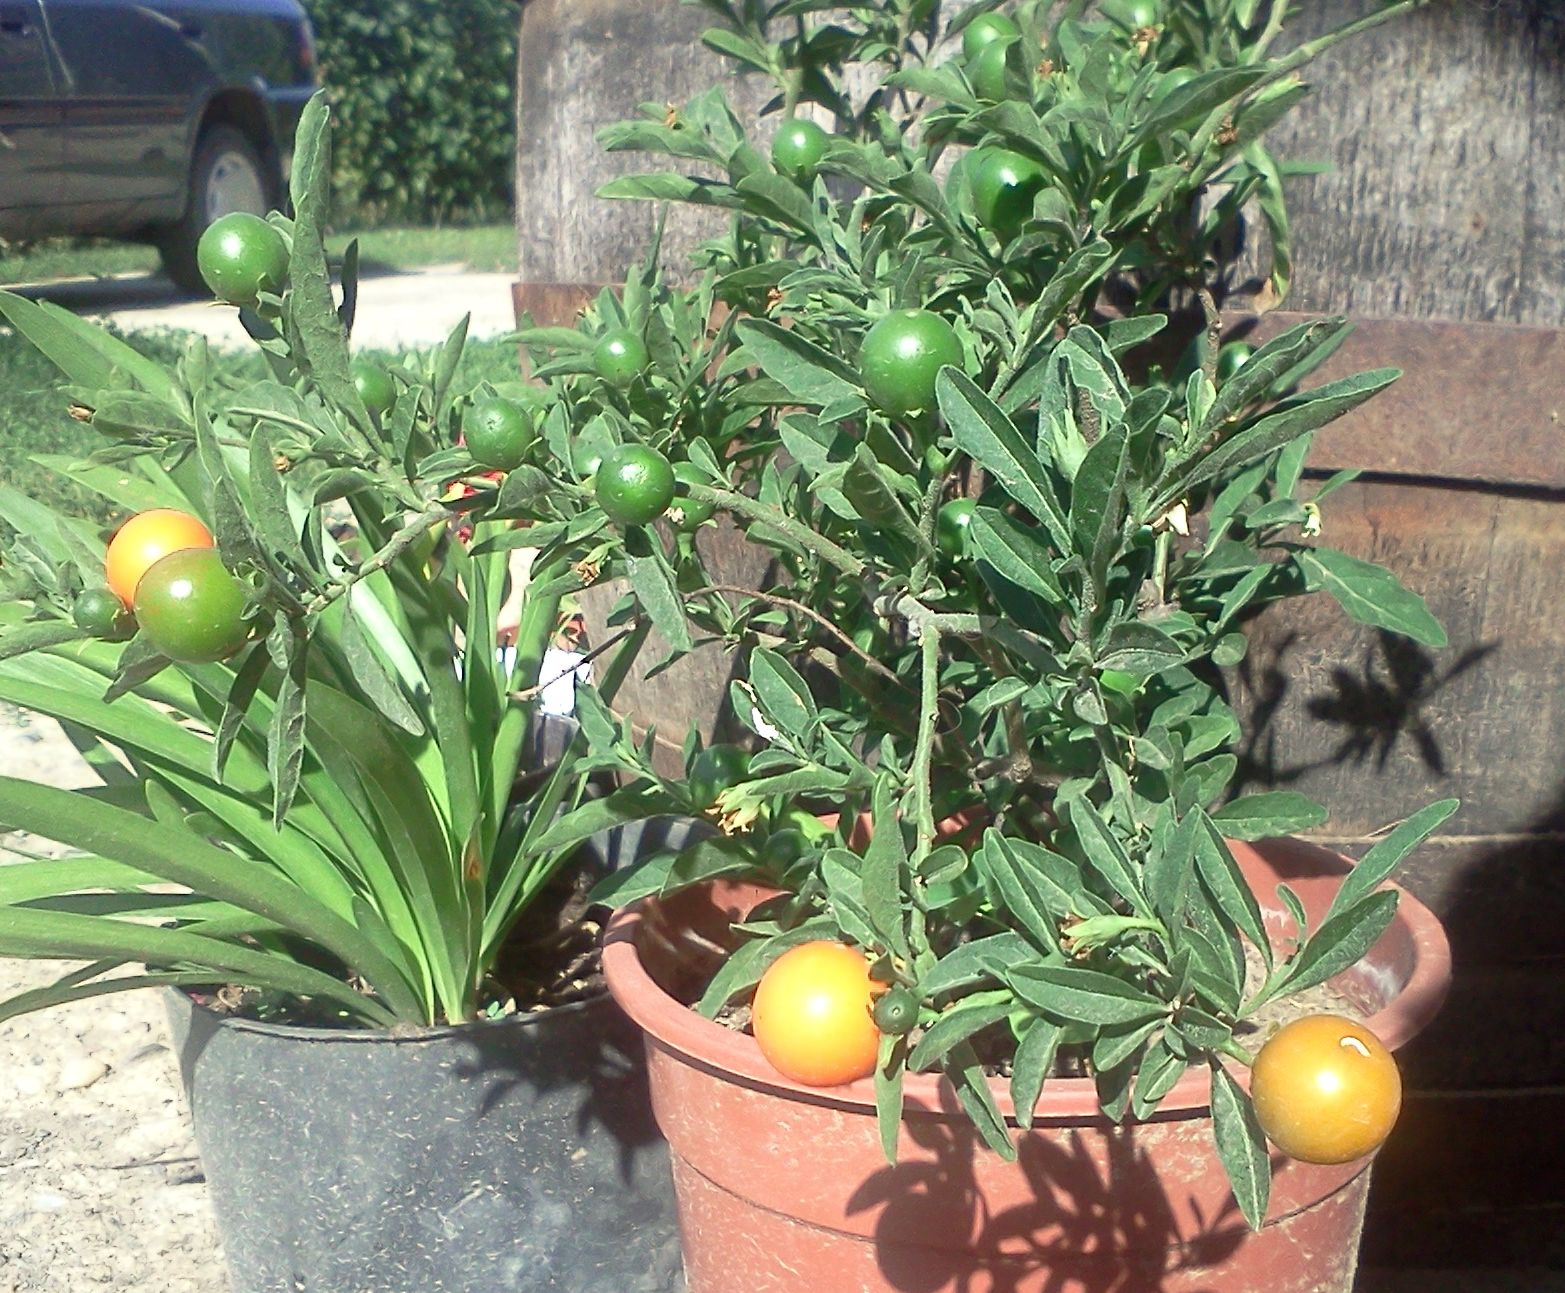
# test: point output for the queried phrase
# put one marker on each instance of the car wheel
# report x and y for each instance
(227, 175)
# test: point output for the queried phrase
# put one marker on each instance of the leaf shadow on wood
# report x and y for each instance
(1382, 702)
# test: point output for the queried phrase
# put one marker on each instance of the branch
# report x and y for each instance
(751, 509)
(810, 613)
(1214, 331)
(533, 692)
(431, 518)
(923, 772)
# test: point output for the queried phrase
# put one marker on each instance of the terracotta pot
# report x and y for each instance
(783, 1187)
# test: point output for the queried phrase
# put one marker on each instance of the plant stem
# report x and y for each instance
(753, 510)
(810, 613)
(1233, 1050)
(923, 772)
(1214, 331)
(431, 518)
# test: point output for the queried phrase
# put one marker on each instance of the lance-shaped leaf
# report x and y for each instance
(1378, 864)
(1341, 941)
(808, 373)
(1268, 815)
(1270, 432)
(991, 439)
(1085, 996)
(957, 1024)
(1371, 595)
(1241, 1146)
(1017, 552)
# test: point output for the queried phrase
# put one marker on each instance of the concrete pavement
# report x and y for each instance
(395, 311)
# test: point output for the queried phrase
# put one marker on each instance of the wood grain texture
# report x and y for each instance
(1377, 728)
(583, 65)
(1446, 134)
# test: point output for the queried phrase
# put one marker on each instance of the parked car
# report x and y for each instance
(147, 119)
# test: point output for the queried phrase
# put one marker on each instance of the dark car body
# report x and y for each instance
(106, 107)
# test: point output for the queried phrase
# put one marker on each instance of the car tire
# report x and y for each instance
(227, 174)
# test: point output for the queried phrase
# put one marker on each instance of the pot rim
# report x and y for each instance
(703, 1041)
(397, 1035)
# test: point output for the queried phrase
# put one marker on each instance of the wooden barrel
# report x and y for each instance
(1441, 230)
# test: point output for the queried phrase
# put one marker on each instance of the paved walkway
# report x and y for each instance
(395, 311)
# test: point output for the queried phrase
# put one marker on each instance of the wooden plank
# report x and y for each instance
(1474, 1180)
(1375, 728)
(1503, 1027)
(1476, 401)
(1444, 135)
(582, 65)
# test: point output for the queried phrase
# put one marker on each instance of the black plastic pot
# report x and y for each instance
(511, 1155)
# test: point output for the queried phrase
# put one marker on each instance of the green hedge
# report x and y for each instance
(424, 92)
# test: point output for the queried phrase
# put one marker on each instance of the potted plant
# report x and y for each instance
(324, 785)
(980, 977)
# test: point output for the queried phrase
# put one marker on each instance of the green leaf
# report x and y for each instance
(1085, 996)
(884, 872)
(970, 964)
(669, 187)
(967, 1076)
(1241, 1146)
(1034, 1058)
(1017, 552)
(1226, 884)
(84, 352)
(635, 804)
(1268, 815)
(1341, 941)
(655, 589)
(808, 373)
(707, 858)
(375, 680)
(1159, 1070)
(1141, 650)
(784, 695)
(745, 966)
(1106, 855)
(1378, 864)
(1270, 432)
(956, 1025)
(70, 988)
(890, 1066)
(45, 934)
(313, 320)
(1037, 902)
(779, 199)
(179, 857)
(1278, 356)
(991, 439)
(37, 636)
(1371, 595)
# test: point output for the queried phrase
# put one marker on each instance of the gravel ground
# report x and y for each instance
(100, 1185)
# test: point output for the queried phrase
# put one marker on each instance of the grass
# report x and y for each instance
(33, 417)
(489, 248)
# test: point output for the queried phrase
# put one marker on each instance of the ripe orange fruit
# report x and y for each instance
(145, 538)
(811, 1014)
(1326, 1090)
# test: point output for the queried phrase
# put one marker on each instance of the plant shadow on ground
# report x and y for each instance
(1095, 1221)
